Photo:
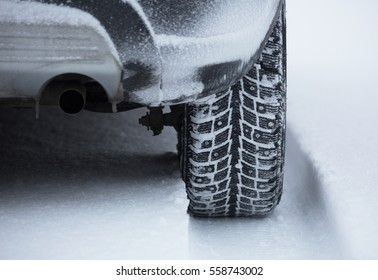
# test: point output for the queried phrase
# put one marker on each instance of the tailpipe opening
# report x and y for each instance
(72, 98)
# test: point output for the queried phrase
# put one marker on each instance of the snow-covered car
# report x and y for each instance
(220, 66)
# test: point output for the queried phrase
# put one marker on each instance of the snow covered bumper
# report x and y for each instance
(39, 43)
(146, 52)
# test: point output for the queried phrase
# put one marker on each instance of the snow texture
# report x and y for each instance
(211, 39)
(186, 38)
(100, 187)
(333, 110)
(32, 13)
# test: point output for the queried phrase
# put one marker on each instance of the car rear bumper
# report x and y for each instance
(136, 62)
(33, 52)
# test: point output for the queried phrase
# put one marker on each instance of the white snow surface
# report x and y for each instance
(333, 111)
(100, 187)
(33, 13)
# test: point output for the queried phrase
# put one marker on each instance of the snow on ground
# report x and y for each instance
(100, 187)
(333, 109)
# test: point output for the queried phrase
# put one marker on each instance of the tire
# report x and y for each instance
(233, 143)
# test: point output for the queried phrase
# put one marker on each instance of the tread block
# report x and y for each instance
(268, 174)
(220, 106)
(222, 121)
(208, 169)
(266, 123)
(269, 162)
(267, 152)
(267, 93)
(208, 189)
(268, 109)
(248, 182)
(219, 203)
(205, 127)
(251, 89)
(201, 157)
(221, 175)
(247, 192)
(247, 131)
(249, 147)
(245, 206)
(253, 73)
(265, 137)
(223, 163)
(200, 179)
(220, 152)
(222, 137)
(250, 117)
(206, 144)
(264, 203)
(248, 170)
(267, 186)
(223, 185)
(249, 158)
(221, 195)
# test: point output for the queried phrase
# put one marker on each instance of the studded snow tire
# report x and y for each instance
(233, 142)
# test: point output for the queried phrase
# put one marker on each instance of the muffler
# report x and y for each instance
(72, 98)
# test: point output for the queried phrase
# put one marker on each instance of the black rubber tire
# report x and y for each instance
(233, 143)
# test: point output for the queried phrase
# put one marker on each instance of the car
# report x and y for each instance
(220, 66)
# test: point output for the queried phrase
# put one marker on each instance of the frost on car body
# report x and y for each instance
(163, 52)
(220, 65)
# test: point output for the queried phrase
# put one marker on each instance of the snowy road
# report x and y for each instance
(100, 186)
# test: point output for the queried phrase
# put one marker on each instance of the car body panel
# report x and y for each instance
(148, 52)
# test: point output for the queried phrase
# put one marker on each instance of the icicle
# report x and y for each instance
(114, 107)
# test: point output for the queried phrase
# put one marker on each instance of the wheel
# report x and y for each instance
(233, 142)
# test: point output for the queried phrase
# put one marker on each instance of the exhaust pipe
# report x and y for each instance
(72, 98)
